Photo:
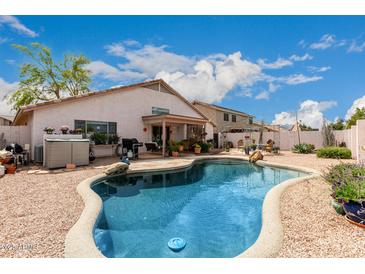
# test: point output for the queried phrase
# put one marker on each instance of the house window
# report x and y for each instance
(96, 126)
(234, 118)
(225, 117)
(159, 111)
(250, 120)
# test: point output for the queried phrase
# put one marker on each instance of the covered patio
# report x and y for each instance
(171, 127)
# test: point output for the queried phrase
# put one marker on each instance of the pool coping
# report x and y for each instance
(80, 242)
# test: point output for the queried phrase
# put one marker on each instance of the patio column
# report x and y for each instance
(185, 131)
(163, 137)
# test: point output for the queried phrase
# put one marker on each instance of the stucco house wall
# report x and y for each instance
(126, 108)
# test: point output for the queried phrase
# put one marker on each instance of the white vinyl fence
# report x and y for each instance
(287, 139)
(16, 134)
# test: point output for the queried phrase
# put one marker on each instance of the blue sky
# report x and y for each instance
(269, 66)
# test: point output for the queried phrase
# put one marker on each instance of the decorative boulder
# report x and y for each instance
(117, 168)
(254, 157)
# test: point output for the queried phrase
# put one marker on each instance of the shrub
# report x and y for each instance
(334, 153)
(205, 147)
(99, 138)
(303, 148)
(348, 182)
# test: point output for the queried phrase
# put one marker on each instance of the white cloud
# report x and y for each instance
(310, 113)
(207, 78)
(263, 95)
(355, 47)
(278, 64)
(326, 41)
(297, 58)
(358, 103)
(302, 43)
(212, 79)
(297, 79)
(108, 72)
(318, 69)
(6, 89)
(16, 25)
(149, 59)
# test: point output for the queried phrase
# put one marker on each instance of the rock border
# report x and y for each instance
(80, 243)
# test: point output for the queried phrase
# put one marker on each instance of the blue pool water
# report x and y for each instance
(215, 206)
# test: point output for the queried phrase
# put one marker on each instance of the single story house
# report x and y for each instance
(148, 111)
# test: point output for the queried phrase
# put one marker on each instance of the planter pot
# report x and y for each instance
(181, 148)
(70, 166)
(10, 169)
(227, 149)
(175, 154)
(338, 207)
(197, 150)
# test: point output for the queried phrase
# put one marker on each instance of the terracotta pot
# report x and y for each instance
(10, 169)
(181, 148)
(70, 166)
(175, 154)
(197, 150)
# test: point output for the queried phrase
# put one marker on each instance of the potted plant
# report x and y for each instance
(174, 150)
(197, 149)
(64, 129)
(10, 168)
(180, 146)
(48, 130)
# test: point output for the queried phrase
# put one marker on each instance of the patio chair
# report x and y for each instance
(152, 146)
(269, 146)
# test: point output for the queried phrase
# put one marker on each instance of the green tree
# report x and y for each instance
(359, 114)
(44, 79)
(338, 125)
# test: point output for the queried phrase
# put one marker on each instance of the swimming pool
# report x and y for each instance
(214, 205)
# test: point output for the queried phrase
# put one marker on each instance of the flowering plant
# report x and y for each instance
(64, 129)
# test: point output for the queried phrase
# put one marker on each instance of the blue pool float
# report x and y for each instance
(176, 244)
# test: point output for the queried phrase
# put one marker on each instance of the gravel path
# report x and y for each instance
(36, 212)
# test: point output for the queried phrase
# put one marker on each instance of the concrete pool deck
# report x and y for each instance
(37, 211)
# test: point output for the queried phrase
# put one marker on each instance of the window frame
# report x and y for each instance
(225, 114)
(235, 118)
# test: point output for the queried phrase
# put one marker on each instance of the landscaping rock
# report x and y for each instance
(254, 157)
(117, 168)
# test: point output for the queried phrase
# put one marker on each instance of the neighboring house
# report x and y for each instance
(297, 126)
(225, 119)
(258, 126)
(146, 111)
(6, 120)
